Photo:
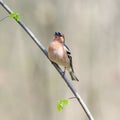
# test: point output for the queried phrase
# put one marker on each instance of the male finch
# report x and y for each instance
(59, 53)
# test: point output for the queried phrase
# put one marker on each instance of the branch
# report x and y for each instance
(68, 82)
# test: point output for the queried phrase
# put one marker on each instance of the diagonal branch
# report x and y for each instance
(68, 82)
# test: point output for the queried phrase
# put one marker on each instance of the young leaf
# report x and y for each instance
(15, 15)
(65, 102)
(59, 107)
(61, 104)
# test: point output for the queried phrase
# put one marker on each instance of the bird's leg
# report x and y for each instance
(63, 73)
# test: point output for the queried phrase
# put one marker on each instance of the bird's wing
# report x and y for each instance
(69, 55)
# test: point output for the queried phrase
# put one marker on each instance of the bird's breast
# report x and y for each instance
(59, 52)
(58, 55)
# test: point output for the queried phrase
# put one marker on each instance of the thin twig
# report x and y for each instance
(68, 82)
(3, 18)
(72, 98)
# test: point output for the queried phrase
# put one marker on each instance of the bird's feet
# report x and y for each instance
(63, 73)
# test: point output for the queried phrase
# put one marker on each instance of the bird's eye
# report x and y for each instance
(59, 33)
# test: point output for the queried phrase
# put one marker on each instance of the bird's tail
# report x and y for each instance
(73, 77)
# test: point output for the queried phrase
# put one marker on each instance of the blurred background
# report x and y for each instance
(30, 87)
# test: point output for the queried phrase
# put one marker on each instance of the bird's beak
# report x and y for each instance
(56, 34)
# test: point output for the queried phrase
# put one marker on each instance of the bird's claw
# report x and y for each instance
(63, 73)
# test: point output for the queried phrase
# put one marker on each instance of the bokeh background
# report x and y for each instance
(30, 86)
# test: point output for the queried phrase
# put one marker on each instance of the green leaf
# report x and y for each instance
(65, 102)
(61, 104)
(15, 15)
(59, 107)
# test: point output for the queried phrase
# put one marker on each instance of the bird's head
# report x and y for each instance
(59, 36)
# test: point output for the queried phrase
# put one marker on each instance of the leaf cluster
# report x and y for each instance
(61, 104)
(15, 15)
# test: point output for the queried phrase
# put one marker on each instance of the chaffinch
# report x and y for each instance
(59, 53)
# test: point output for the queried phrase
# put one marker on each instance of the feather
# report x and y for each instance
(71, 70)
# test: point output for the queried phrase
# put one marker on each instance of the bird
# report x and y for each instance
(59, 53)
